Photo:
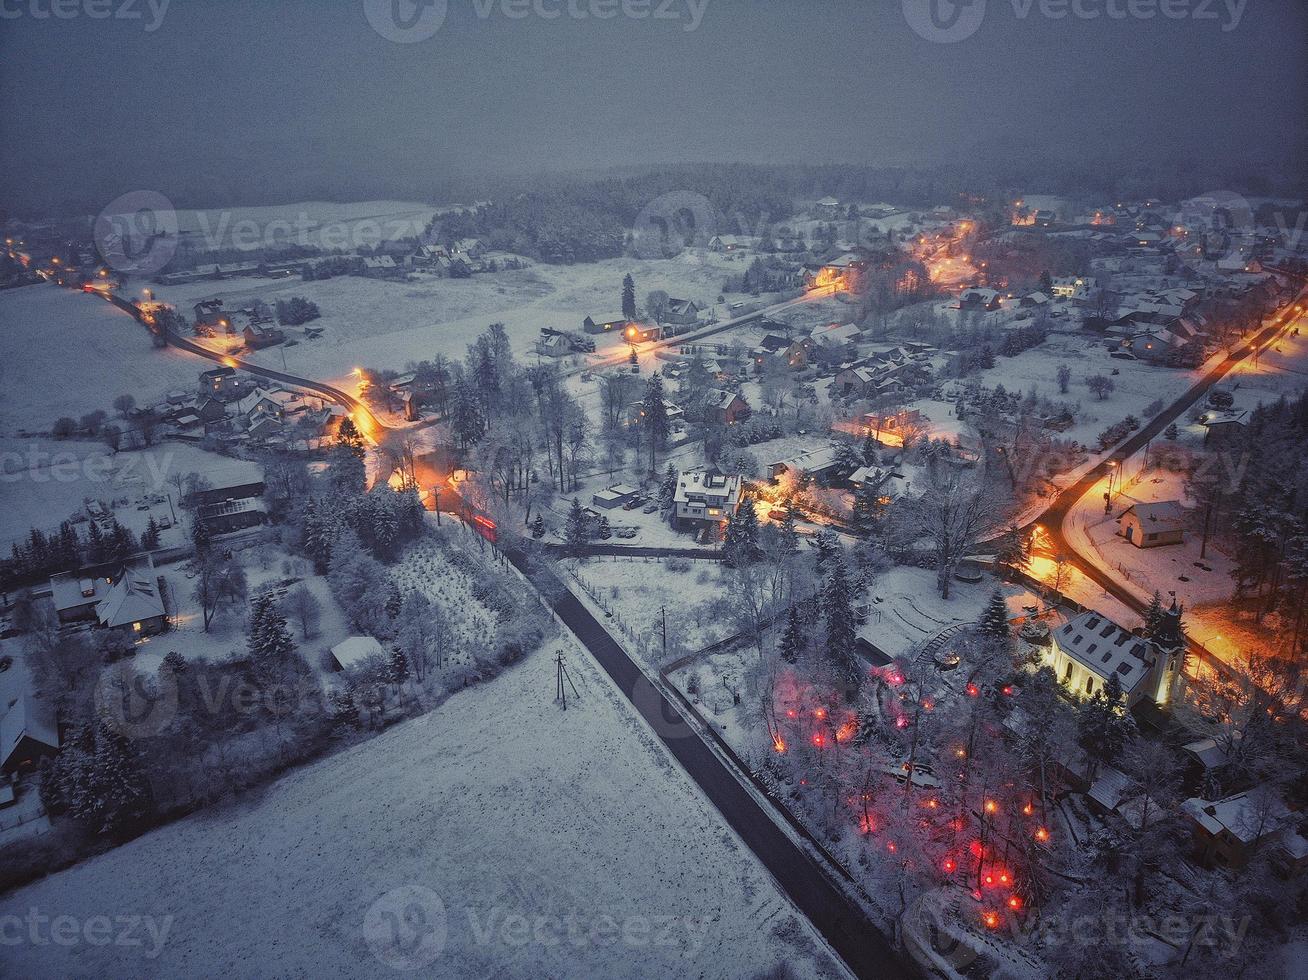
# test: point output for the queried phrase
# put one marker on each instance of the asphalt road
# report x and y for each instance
(1053, 518)
(851, 934)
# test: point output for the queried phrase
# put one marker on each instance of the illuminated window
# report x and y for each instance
(136, 627)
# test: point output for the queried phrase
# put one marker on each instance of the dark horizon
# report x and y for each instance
(270, 104)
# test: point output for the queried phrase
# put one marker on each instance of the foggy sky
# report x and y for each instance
(229, 101)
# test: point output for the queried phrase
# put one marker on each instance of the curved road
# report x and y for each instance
(856, 940)
(1054, 516)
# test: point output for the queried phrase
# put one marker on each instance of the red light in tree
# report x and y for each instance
(1003, 878)
(992, 806)
(901, 722)
(1014, 902)
(972, 690)
(819, 713)
(890, 846)
(991, 920)
(949, 866)
(932, 803)
(990, 879)
(778, 743)
(975, 848)
(791, 713)
(819, 739)
(1008, 689)
(1042, 835)
(1027, 809)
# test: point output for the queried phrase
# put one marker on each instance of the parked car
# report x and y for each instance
(650, 507)
(922, 777)
(633, 503)
(626, 532)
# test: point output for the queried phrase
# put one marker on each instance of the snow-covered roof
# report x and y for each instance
(356, 650)
(709, 487)
(1104, 648)
(1241, 816)
(31, 718)
(810, 462)
(837, 334)
(133, 598)
(1160, 516)
(68, 591)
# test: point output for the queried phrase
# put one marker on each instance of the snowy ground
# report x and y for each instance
(69, 353)
(497, 836)
(386, 324)
(44, 482)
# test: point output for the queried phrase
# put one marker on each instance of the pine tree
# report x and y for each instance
(994, 621)
(394, 600)
(316, 536)
(200, 536)
(838, 608)
(794, 641)
(628, 297)
(1104, 727)
(575, 531)
(740, 541)
(866, 510)
(871, 449)
(150, 536)
(1153, 616)
(789, 531)
(538, 527)
(347, 435)
(655, 422)
(668, 491)
(397, 668)
(268, 638)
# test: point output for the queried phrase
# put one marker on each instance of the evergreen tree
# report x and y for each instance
(397, 668)
(866, 510)
(628, 297)
(789, 531)
(794, 641)
(1153, 616)
(871, 449)
(150, 536)
(316, 533)
(268, 637)
(347, 435)
(394, 600)
(200, 536)
(655, 422)
(838, 609)
(740, 541)
(344, 709)
(1104, 727)
(538, 527)
(668, 491)
(345, 471)
(575, 531)
(994, 621)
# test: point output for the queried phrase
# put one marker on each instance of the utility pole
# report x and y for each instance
(561, 677)
(436, 496)
(665, 630)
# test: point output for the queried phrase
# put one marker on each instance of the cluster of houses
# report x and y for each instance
(254, 324)
(231, 409)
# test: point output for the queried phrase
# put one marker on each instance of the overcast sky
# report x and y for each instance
(227, 101)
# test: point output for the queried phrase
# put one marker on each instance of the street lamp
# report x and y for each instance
(1108, 495)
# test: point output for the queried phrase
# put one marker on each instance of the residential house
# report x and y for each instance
(613, 497)
(1226, 832)
(29, 733)
(1036, 300)
(134, 603)
(380, 266)
(705, 499)
(232, 515)
(76, 594)
(858, 381)
(239, 480)
(819, 463)
(1075, 288)
(731, 243)
(828, 209)
(979, 298)
(774, 348)
(725, 407)
(671, 411)
(1153, 525)
(605, 324)
(262, 335)
(681, 312)
(222, 382)
(551, 343)
(210, 317)
(1045, 217)
(358, 651)
(1225, 429)
(837, 335)
(890, 429)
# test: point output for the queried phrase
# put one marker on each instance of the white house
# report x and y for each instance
(356, 651)
(1090, 648)
(706, 498)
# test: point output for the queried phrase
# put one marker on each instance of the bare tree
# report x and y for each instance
(956, 510)
(303, 606)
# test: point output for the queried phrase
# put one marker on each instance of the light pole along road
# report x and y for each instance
(839, 919)
(1052, 519)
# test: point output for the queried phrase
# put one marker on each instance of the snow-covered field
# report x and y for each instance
(385, 324)
(327, 224)
(497, 836)
(43, 482)
(69, 353)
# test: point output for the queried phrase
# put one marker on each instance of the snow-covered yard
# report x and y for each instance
(496, 836)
